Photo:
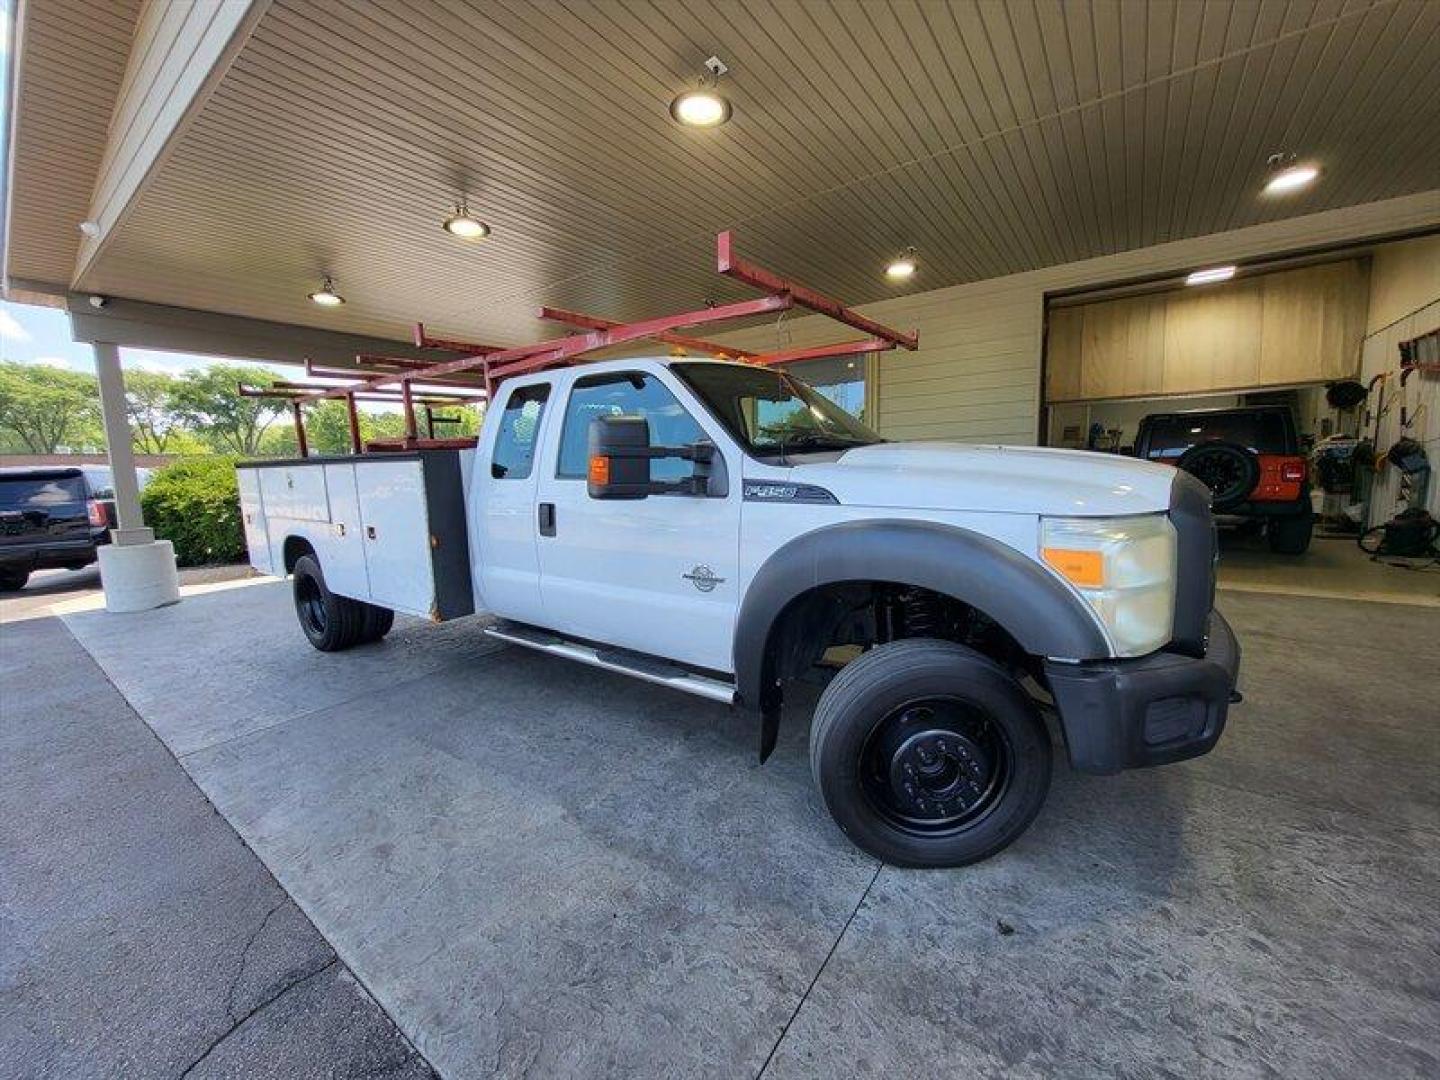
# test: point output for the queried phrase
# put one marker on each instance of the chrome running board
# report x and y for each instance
(637, 665)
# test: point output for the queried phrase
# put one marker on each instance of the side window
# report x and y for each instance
(514, 454)
(627, 394)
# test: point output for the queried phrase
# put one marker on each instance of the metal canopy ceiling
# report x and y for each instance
(995, 138)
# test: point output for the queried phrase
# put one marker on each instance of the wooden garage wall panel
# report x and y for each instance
(1212, 339)
(1313, 321)
(1280, 329)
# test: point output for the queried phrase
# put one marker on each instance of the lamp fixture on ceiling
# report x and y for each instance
(1210, 276)
(903, 268)
(326, 296)
(464, 224)
(705, 106)
(90, 228)
(1288, 175)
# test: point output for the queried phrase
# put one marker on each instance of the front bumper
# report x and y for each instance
(1126, 714)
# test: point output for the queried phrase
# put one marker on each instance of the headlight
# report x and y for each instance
(1125, 568)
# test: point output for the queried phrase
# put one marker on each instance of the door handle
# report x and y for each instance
(370, 531)
(547, 519)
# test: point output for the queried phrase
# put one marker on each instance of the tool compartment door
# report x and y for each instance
(252, 515)
(395, 532)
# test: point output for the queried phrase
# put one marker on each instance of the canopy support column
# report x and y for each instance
(137, 571)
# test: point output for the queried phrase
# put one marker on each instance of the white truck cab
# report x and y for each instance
(724, 529)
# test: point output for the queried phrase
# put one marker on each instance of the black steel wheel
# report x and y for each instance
(1229, 470)
(935, 766)
(330, 622)
(928, 753)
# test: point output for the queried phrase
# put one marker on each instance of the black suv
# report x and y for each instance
(48, 518)
(1250, 459)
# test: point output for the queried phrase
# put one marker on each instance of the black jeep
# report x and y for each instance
(1250, 459)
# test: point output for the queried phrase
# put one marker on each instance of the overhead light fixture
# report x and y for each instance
(1288, 175)
(903, 267)
(1207, 277)
(326, 296)
(90, 228)
(705, 106)
(464, 224)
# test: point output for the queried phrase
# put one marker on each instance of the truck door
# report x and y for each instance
(657, 575)
(503, 516)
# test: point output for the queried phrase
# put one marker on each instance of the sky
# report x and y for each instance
(37, 335)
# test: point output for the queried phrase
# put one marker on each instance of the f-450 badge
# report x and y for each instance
(703, 578)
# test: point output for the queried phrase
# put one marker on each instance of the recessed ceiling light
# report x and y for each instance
(903, 267)
(464, 224)
(326, 296)
(90, 228)
(1292, 178)
(1206, 277)
(704, 107)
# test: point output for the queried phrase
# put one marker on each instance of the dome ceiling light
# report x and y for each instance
(903, 268)
(705, 106)
(464, 224)
(1288, 175)
(326, 296)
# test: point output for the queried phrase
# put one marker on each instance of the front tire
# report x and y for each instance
(1290, 535)
(929, 754)
(330, 622)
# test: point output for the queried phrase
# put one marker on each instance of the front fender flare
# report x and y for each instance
(1045, 617)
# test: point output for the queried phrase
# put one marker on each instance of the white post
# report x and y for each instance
(136, 570)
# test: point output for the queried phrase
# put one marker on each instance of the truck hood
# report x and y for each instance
(1004, 479)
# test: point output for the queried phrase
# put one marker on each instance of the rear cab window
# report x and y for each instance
(1263, 432)
(41, 493)
(514, 455)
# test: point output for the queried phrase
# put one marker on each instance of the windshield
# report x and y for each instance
(771, 413)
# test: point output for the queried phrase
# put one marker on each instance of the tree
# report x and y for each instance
(47, 407)
(207, 400)
(149, 402)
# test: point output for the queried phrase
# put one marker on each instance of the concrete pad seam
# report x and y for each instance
(334, 952)
(820, 971)
(261, 1007)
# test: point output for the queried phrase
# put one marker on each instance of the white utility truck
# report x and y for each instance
(723, 529)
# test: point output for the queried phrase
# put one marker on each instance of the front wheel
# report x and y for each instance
(929, 754)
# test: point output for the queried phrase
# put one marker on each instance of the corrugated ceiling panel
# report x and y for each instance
(997, 138)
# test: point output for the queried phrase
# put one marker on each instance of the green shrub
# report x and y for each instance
(194, 503)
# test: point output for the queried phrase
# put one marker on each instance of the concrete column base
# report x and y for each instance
(138, 577)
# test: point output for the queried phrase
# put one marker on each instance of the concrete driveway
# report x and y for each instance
(541, 869)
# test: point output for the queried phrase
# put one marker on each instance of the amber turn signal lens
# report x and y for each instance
(599, 469)
(1083, 568)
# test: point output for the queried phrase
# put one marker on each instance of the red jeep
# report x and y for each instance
(1249, 458)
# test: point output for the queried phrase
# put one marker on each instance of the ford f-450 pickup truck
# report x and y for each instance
(724, 529)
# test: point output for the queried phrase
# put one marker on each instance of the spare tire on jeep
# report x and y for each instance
(1228, 469)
